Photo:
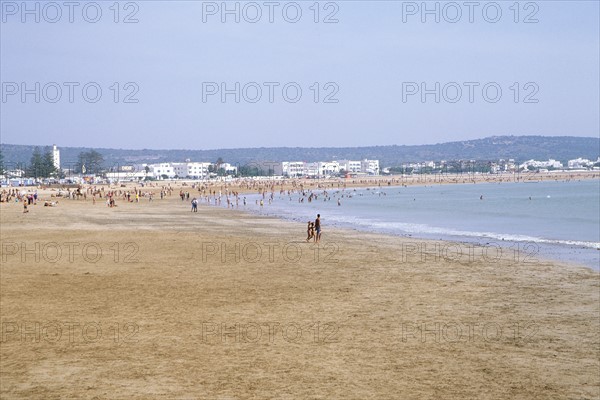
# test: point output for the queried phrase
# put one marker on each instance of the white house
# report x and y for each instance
(311, 169)
(194, 170)
(370, 167)
(350, 166)
(328, 168)
(229, 169)
(292, 168)
(551, 163)
(126, 175)
(158, 170)
(580, 163)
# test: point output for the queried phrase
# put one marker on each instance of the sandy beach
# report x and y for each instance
(149, 300)
(311, 200)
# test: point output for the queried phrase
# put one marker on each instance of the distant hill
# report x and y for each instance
(520, 148)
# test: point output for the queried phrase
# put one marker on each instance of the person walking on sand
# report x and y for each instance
(318, 228)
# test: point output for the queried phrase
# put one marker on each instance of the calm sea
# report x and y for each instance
(561, 219)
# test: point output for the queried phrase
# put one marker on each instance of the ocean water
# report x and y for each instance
(560, 220)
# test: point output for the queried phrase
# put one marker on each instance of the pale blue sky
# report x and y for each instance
(369, 53)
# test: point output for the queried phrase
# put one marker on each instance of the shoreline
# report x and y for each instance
(445, 247)
(442, 246)
(561, 250)
(592, 175)
(408, 236)
(282, 222)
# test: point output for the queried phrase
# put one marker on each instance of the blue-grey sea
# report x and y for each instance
(561, 220)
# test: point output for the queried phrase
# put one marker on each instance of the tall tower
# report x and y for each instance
(56, 156)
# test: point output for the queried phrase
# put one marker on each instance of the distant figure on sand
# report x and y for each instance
(194, 205)
(318, 228)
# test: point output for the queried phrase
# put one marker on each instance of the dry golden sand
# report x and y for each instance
(170, 299)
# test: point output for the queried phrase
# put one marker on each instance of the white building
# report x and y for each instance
(126, 175)
(311, 169)
(158, 170)
(351, 166)
(184, 170)
(554, 164)
(179, 169)
(56, 157)
(293, 168)
(229, 169)
(328, 168)
(371, 167)
(580, 163)
(504, 165)
(200, 170)
(551, 163)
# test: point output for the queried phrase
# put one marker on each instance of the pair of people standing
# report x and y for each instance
(314, 230)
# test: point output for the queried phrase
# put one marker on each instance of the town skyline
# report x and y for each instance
(91, 168)
(521, 148)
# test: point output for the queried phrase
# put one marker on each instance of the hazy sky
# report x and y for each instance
(368, 69)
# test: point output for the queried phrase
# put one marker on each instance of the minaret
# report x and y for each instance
(56, 156)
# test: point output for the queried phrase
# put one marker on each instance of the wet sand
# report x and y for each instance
(149, 300)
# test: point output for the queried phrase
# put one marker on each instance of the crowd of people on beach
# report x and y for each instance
(29, 197)
(18, 195)
(230, 194)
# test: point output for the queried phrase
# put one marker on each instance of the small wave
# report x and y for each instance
(433, 230)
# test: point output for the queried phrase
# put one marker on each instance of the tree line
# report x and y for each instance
(41, 164)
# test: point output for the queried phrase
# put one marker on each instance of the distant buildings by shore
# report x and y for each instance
(204, 170)
(326, 168)
(551, 164)
(492, 167)
(293, 169)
